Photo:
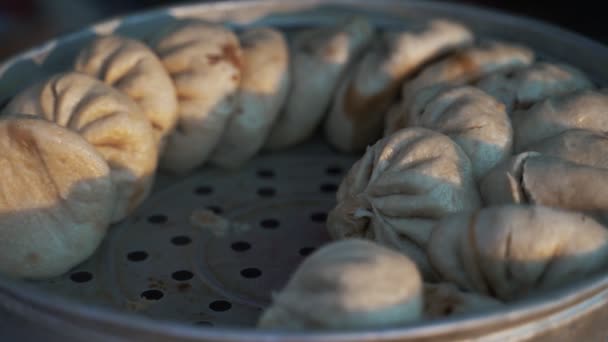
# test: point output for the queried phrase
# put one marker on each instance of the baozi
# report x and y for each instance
(577, 146)
(106, 118)
(205, 63)
(320, 58)
(523, 87)
(262, 91)
(131, 67)
(56, 198)
(512, 251)
(581, 110)
(459, 68)
(348, 285)
(534, 178)
(399, 188)
(476, 121)
(356, 116)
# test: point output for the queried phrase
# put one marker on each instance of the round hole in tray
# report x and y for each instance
(216, 209)
(270, 223)
(137, 256)
(328, 187)
(152, 294)
(334, 170)
(318, 217)
(81, 277)
(182, 275)
(251, 273)
(266, 191)
(157, 218)
(220, 305)
(203, 190)
(181, 240)
(240, 246)
(265, 173)
(306, 251)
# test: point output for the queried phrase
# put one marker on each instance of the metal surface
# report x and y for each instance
(161, 275)
(174, 260)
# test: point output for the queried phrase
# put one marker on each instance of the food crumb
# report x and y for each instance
(137, 305)
(215, 224)
(183, 287)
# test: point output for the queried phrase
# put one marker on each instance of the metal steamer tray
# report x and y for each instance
(161, 276)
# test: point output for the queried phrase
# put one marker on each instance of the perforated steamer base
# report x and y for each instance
(163, 264)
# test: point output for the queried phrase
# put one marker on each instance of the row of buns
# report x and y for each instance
(193, 93)
(484, 260)
(489, 179)
(480, 139)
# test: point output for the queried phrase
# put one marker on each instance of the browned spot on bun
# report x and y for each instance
(214, 59)
(26, 141)
(182, 96)
(465, 63)
(232, 55)
(23, 137)
(361, 110)
(156, 126)
(229, 54)
(113, 143)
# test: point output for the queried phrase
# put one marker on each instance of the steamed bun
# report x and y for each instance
(476, 121)
(320, 58)
(205, 62)
(523, 87)
(356, 117)
(568, 170)
(459, 68)
(576, 145)
(348, 285)
(404, 183)
(513, 251)
(581, 110)
(56, 198)
(106, 118)
(535, 178)
(131, 67)
(262, 92)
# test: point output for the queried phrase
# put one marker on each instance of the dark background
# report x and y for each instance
(24, 23)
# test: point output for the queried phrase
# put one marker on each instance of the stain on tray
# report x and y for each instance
(154, 283)
(183, 287)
